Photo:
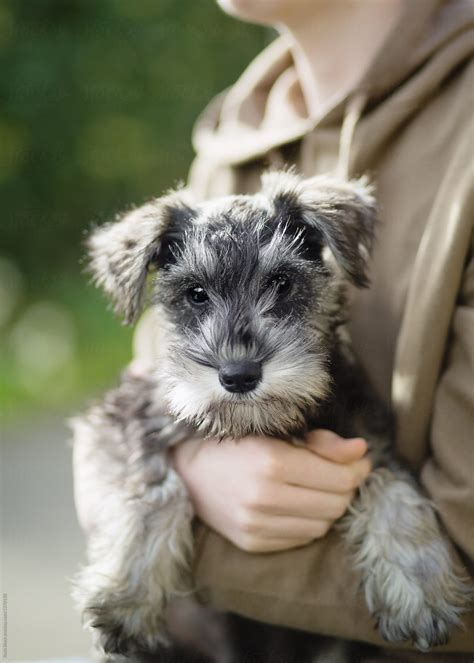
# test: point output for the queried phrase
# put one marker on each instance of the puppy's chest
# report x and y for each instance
(353, 408)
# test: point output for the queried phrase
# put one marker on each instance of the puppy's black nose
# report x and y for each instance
(240, 376)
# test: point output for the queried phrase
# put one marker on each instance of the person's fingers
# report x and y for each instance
(299, 502)
(312, 471)
(333, 447)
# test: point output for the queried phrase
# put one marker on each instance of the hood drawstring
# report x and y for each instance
(352, 115)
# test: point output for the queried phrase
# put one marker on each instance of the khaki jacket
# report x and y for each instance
(413, 330)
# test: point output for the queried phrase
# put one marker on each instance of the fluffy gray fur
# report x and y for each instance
(315, 235)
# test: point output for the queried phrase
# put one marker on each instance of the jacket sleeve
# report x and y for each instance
(448, 474)
(315, 588)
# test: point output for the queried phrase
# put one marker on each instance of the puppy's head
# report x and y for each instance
(250, 292)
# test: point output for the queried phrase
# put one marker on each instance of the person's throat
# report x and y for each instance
(333, 48)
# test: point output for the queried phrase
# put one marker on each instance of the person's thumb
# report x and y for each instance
(335, 448)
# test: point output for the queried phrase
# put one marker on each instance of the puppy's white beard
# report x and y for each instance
(292, 383)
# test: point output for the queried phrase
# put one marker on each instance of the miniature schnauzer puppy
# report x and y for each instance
(250, 294)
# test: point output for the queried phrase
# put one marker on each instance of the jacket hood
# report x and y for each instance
(265, 107)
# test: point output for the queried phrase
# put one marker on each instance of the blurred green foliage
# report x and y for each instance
(98, 100)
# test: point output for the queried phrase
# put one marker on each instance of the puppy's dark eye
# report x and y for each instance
(281, 283)
(197, 295)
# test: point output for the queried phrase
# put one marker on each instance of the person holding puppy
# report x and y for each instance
(354, 87)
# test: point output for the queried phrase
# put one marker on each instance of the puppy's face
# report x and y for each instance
(249, 291)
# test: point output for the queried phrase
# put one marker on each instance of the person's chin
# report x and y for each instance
(264, 12)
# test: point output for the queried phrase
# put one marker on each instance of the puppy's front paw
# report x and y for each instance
(121, 625)
(410, 583)
(431, 626)
(423, 609)
(124, 614)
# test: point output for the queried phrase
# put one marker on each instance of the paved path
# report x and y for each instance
(41, 543)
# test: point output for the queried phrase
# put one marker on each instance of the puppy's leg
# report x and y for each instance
(409, 580)
(141, 539)
(137, 564)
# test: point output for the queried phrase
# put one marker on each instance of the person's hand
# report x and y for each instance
(264, 494)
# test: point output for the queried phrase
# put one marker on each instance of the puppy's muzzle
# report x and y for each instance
(240, 376)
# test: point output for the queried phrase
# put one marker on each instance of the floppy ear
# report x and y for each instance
(122, 252)
(332, 211)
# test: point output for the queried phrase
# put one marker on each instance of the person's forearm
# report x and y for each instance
(314, 588)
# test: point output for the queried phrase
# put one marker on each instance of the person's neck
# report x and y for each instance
(333, 48)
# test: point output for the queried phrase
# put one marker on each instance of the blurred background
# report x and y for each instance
(98, 100)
